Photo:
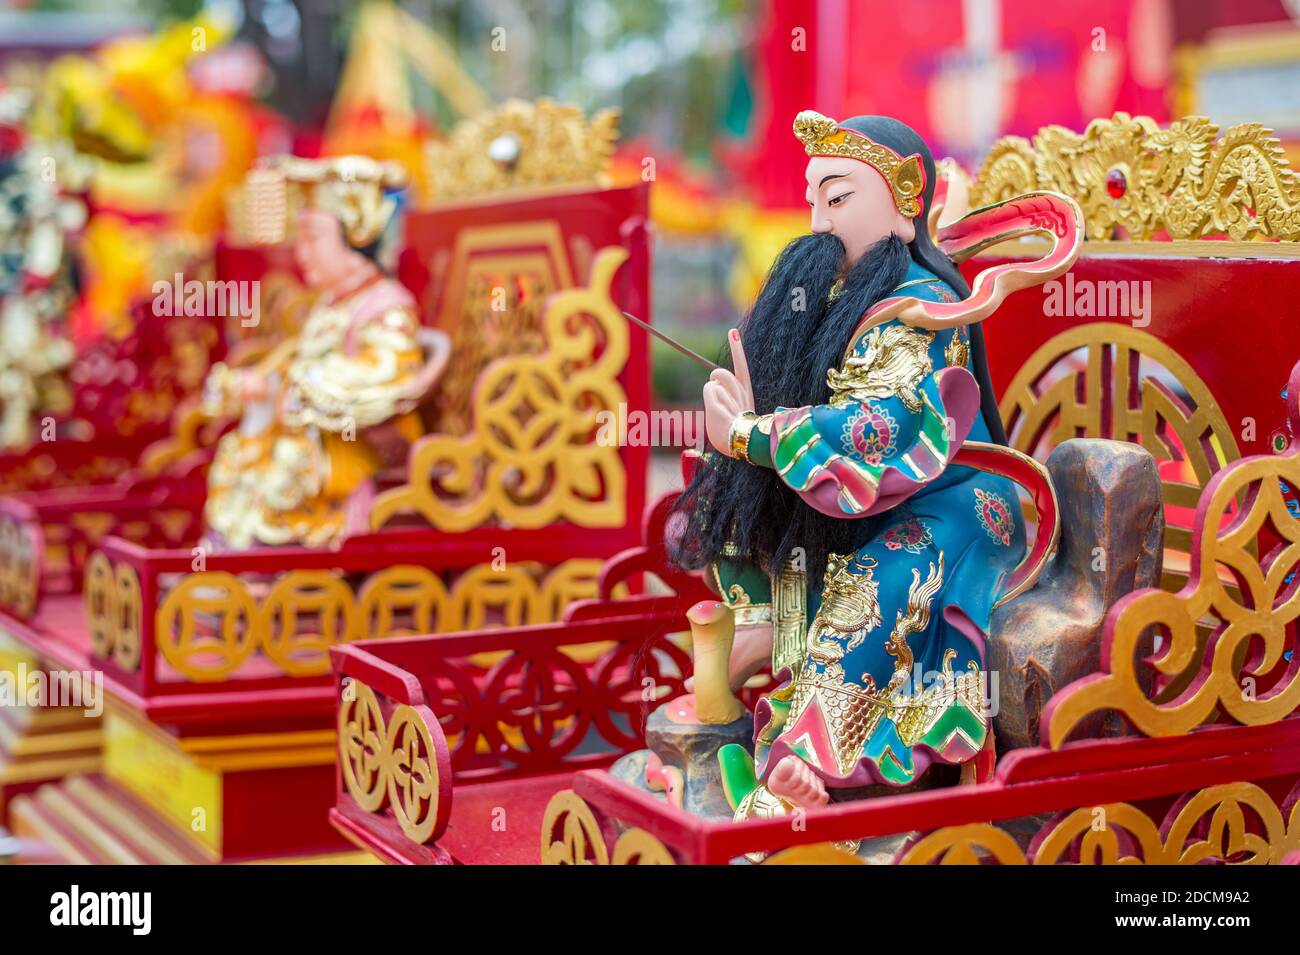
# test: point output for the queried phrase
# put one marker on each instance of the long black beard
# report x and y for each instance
(792, 337)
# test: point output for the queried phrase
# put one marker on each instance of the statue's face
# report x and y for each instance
(853, 202)
(322, 254)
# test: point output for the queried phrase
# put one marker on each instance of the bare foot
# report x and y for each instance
(794, 781)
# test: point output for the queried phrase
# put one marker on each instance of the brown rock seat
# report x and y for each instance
(1112, 528)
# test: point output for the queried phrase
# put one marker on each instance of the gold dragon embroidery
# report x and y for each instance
(895, 360)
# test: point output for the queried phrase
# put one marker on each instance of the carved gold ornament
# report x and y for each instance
(113, 608)
(494, 292)
(745, 611)
(957, 352)
(19, 568)
(916, 619)
(1059, 393)
(392, 763)
(821, 853)
(212, 622)
(1135, 180)
(822, 136)
(1250, 638)
(965, 845)
(761, 803)
(850, 606)
(789, 616)
(638, 847)
(523, 146)
(1237, 823)
(571, 835)
(533, 457)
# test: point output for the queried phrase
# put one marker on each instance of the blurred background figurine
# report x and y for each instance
(38, 281)
(299, 467)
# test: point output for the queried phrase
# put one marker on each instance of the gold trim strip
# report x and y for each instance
(33, 770)
(209, 744)
(1033, 248)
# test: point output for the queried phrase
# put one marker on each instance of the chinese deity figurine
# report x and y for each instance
(299, 468)
(856, 554)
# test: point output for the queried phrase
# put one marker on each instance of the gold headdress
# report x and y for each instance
(265, 208)
(822, 136)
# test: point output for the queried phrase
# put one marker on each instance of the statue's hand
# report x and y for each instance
(726, 395)
(751, 650)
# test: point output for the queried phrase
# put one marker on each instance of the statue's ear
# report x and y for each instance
(909, 180)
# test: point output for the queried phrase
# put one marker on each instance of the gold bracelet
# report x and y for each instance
(741, 428)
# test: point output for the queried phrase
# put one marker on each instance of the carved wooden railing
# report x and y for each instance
(491, 706)
(243, 622)
(65, 526)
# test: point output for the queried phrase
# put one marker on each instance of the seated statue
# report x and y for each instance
(860, 559)
(299, 467)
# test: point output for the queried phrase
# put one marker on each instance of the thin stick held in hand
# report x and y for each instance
(675, 344)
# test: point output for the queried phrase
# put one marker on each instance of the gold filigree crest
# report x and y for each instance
(534, 455)
(523, 146)
(1135, 180)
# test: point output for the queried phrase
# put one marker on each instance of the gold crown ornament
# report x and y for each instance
(822, 136)
(264, 209)
(523, 146)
